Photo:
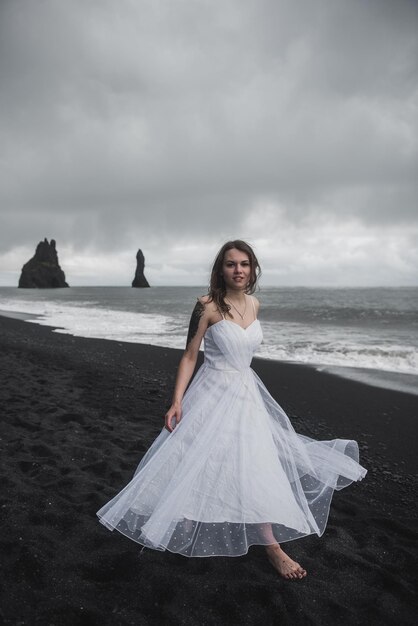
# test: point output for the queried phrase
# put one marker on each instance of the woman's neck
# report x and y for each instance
(236, 295)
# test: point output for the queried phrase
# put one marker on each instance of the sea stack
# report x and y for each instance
(140, 280)
(43, 271)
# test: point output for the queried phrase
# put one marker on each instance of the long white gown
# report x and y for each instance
(234, 470)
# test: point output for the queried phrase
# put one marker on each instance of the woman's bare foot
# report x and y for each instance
(281, 562)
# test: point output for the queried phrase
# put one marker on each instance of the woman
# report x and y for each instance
(228, 470)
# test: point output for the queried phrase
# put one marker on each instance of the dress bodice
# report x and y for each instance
(229, 346)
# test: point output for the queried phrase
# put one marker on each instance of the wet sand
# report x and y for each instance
(76, 417)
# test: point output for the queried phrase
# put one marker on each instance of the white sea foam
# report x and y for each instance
(99, 323)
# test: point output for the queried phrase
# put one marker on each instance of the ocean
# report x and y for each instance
(367, 334)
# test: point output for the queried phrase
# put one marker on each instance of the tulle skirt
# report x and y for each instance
(233, 473)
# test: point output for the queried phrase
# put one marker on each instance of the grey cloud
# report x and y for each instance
(170, 121)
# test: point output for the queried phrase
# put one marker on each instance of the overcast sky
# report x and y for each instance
(174, 125)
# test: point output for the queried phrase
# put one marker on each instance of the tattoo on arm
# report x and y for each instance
(194, 322)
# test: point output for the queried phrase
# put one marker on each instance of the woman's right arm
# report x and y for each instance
(197, 328)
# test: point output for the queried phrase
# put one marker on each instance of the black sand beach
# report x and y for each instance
(76, 417)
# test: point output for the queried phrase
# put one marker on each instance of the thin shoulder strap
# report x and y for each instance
(221, 313)
(252, 302)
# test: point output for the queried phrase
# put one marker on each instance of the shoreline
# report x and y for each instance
(77, 415)
(402, 382)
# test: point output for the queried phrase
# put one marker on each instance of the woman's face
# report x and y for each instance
(236, 269)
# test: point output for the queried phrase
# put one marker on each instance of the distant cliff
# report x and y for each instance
(43, 270)
(140, 280)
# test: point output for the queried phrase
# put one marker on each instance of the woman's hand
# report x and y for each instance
(173, 413)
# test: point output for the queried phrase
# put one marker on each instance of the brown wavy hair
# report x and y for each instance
(217, 288)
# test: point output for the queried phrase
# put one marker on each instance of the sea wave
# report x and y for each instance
(283, 341)
(94, 322)
(392, 358)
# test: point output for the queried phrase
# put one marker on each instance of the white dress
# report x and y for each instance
(233, 471)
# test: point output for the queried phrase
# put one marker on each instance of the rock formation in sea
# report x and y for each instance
(140, 280)
(43, 269)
